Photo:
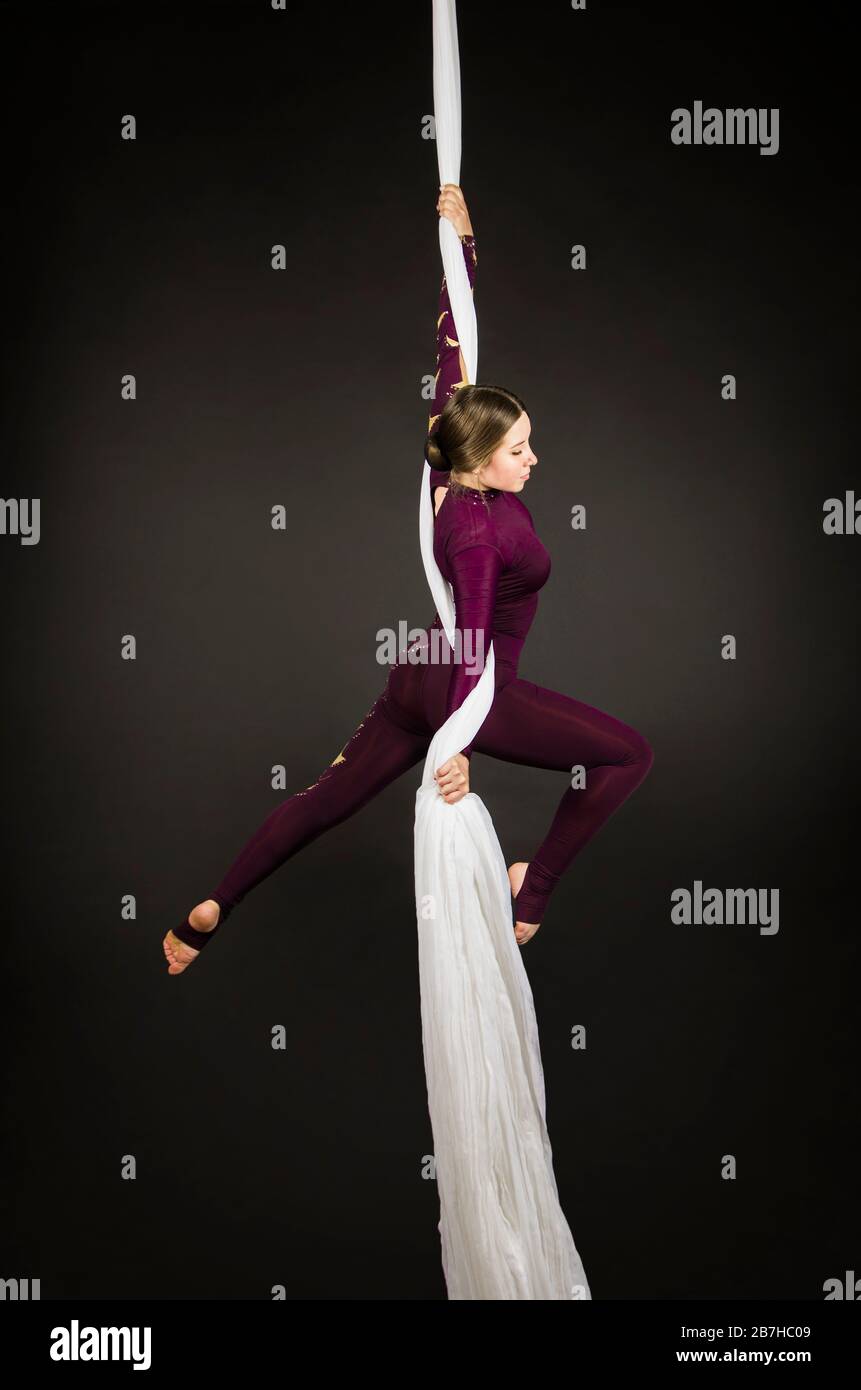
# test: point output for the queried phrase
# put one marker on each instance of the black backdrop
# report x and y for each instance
(303, 1168)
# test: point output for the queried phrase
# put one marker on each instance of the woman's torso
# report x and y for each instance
(467, 517)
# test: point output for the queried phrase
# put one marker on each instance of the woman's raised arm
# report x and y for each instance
(450, 368)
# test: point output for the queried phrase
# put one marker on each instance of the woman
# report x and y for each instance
(486, 547)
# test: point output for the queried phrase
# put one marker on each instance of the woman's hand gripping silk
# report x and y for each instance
(452, 778)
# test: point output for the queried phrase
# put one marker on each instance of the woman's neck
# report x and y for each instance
(471, 486)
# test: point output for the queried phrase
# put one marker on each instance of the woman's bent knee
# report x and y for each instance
(639, 751)
(646, 755)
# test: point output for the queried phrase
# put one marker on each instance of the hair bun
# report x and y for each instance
(436, 455)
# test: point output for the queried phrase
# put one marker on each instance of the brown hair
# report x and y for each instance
(472, 425)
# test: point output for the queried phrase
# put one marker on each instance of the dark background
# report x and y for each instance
(255, 647)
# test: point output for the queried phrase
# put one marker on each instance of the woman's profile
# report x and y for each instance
(485, 544)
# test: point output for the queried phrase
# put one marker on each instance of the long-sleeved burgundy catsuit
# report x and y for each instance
(486, 546)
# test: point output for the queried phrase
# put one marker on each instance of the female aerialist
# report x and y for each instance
(486, 547)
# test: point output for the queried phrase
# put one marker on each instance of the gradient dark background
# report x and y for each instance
(255, 647)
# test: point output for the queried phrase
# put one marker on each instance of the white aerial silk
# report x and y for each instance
(502, 1229)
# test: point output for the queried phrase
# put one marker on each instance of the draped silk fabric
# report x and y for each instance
(503, 1232)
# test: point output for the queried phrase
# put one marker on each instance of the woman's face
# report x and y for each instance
(511, 464)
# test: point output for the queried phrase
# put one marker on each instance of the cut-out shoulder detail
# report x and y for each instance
(438, 501)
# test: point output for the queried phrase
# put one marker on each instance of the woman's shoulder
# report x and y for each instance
(465, 521)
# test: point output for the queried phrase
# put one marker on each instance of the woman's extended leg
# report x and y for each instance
(379, 751)
(541, 728)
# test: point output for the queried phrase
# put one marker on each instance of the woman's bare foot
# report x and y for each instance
(522, 930)
(203, 917)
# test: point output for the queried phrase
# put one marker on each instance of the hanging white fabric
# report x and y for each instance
(502, 1229)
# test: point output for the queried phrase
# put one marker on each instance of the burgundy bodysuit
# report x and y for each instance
(486, 546)
(485, 542)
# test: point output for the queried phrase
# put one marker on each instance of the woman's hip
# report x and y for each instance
(416, 692)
